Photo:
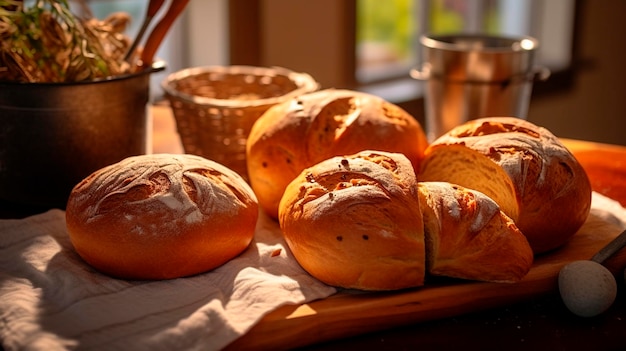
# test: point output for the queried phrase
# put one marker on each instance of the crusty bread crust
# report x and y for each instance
(161, 216)
(355, 222)
(468, 237)
(308, 129)
(552, 190)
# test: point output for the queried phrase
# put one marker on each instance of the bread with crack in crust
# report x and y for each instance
(547, 193)
(310, 128)
(355, 222)
(161, 216)
(363, 222)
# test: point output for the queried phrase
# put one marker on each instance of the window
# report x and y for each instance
(387, 38)
(551, 22)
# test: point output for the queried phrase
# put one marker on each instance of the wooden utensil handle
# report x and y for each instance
(611, 248)
(160, 30)
(153, 7)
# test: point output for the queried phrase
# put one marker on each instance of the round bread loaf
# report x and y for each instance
(308, 129)
(523, 167)
(355, 222)
(161, 216)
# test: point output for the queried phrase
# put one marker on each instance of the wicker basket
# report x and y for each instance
(215, 107)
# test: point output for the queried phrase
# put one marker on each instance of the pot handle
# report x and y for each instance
(423, 74)
(157, 66)
(539, 73)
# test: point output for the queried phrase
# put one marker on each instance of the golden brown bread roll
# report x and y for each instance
(468, 237)
(523, 167)
(354, 222)
(363, 222)
(308, 129)
(161, 216)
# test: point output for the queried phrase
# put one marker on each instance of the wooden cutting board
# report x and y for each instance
(350, 313)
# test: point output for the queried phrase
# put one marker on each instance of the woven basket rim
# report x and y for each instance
(303, 81)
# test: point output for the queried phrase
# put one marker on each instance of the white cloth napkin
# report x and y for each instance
(51, 300)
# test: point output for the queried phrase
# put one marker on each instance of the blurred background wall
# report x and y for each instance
(593, 107)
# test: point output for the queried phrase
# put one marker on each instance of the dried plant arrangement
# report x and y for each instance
(47, 42)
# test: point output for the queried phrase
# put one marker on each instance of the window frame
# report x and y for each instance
(249, 37)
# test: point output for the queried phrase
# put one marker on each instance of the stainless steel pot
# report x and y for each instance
(470, 76)
(52, 135)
